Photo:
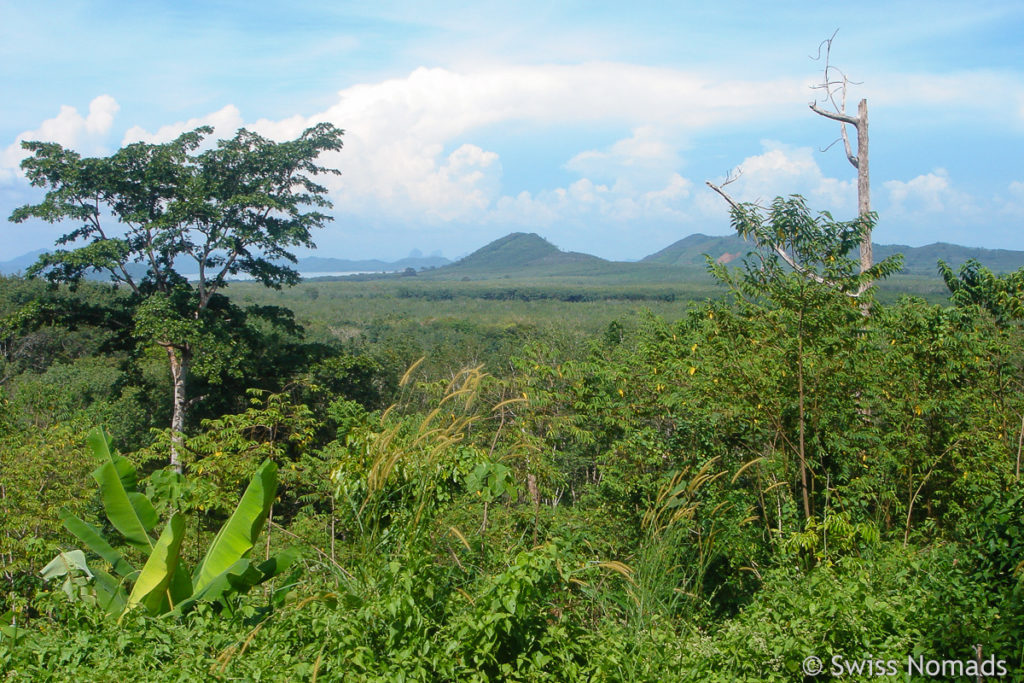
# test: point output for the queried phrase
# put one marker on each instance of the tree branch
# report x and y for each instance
(777, 248)
(834, 115)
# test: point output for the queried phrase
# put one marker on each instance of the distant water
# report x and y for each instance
(334, 273)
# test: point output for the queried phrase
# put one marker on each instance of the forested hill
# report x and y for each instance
(690, 251)
(521, 250)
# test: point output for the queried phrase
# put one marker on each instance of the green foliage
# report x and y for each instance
(233, 208)
(976, 285)
(710, 492)
(41, 471)
(163, 584)
(815, 248)
(236, 208)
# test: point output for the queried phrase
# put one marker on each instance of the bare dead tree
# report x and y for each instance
(833, 91)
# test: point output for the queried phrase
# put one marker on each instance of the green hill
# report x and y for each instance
(519, 251)
(923, 260)
(690, 251)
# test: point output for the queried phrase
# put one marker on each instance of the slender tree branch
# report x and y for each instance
(777, 248)
(836, 116)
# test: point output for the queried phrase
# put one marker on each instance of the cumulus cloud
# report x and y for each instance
(416, 151)
(1012, 205)
(782, 170)
(930, 192)
(930, 206)
(584, 202)
(68, 128)
(647, 156)
(400, 133)
(225, 121)
(933, 194)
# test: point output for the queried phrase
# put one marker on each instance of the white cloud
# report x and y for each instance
(782, 170)
(933, 95)
(68, 128)
(929, 192)
(410, 155)
(399, 132)
(930, 206)
(225, 121)
(646, 157)
(585, 202)
(1013, 204)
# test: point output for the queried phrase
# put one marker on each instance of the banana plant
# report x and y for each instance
(164, 584)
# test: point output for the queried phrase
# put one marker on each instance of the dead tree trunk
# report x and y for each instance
(835, 85)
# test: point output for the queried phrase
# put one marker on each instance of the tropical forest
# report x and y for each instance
(758, 457)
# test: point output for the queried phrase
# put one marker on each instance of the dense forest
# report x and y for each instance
(416, 481)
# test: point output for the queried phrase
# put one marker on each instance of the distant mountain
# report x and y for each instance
(923, 260)
(521, 250)
(530, 255)
(690, 251)
(20, 263)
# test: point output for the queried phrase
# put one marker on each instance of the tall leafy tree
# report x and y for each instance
(803, 270)
(173, 222)
(974, 284)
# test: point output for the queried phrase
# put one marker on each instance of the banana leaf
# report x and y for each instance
(93, 539)
(64, 563)
(151, 588)
(12, 632)
(239, 578)
(75, 587)
(130, 512)
(236, 538)
(110, 594)
(181, 584)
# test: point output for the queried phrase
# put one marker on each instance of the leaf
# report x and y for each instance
(181, 583)
(239, 533)
(10, 629)
(278, 564)
(240, 577)
(110, 594)
(64, 563)
(131, 513)
(91, 537)
(151, 587)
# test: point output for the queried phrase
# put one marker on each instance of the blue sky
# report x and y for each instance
(594, 124)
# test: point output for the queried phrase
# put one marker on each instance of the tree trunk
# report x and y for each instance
(801, 409)
(179, 358)
(863, 183)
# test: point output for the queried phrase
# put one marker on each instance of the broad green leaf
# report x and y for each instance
(181, 584)
(151, 587)
(11, 630)
(91, 537)
(64, 563)
(237, 578)
(110, 594)
(130, 512)
(239, 533)
(144, 509)
(240, 577)
(278, 564)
